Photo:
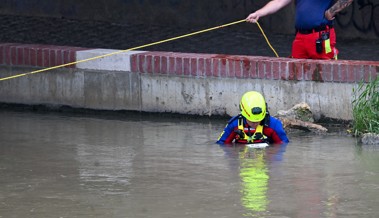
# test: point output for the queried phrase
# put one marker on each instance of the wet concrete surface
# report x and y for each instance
(239, 39)
(78, 165)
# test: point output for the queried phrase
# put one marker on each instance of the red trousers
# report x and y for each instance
(304, 46)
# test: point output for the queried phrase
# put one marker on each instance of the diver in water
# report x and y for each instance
(254, 124)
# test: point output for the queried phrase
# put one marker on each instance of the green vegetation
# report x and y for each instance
(366, 108)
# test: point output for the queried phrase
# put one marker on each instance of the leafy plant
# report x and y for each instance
(366, 108)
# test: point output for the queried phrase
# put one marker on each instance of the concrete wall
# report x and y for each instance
(359, 20)
(198, 84)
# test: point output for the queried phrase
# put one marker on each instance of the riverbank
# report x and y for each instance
(185, 83)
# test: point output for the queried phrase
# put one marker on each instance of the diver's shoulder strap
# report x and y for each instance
(234, 118)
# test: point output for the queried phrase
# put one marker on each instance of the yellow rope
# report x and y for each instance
(268, 42)
(135, 48)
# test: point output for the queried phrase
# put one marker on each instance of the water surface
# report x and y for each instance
(65, 165)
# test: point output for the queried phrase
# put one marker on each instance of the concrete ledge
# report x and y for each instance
(185, 83)
(116, 62)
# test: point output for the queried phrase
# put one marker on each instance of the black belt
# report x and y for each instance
(315, 30)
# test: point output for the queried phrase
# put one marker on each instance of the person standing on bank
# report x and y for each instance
(254, 124)
(315, 36)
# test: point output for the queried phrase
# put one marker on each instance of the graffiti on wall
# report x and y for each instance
(363, 15)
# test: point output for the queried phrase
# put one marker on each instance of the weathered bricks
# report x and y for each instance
(203, 65)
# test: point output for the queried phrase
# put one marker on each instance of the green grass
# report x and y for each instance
(366, 108)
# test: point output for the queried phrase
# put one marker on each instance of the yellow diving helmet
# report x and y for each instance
(253, 106)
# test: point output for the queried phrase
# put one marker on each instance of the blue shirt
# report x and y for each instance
(310, 13)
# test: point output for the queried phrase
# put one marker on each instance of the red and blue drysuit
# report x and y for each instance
(311, 25)
(273, 131)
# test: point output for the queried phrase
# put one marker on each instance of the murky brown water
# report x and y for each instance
(60, 165)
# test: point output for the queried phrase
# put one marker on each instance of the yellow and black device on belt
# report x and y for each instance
(323, 42)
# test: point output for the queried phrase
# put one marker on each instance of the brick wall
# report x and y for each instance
(202, 65)
(253, 67)
(35, 55)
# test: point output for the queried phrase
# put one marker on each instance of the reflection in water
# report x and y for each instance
(254, 176)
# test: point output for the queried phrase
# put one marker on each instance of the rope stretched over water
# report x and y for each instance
(138, 47)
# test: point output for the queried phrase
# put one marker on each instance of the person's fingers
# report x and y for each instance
(252, 18)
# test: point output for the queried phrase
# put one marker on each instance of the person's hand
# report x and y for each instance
(253, 17)
(328, 15)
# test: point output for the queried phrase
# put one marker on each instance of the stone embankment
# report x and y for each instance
(184, 83)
